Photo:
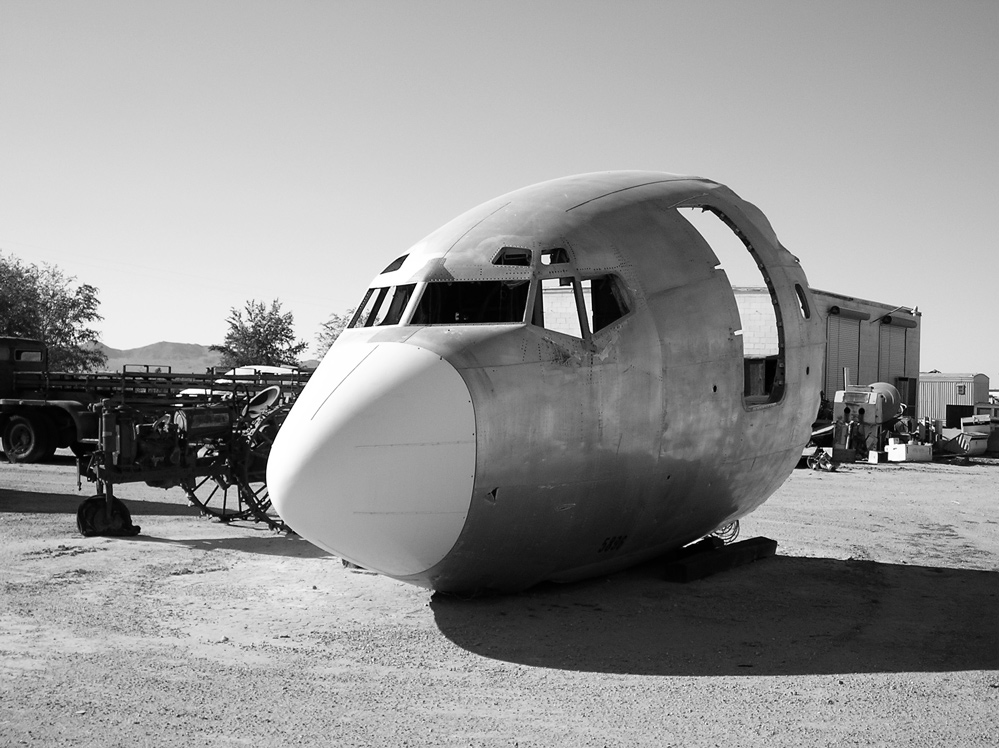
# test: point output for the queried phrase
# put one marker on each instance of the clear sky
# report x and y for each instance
(185, 157)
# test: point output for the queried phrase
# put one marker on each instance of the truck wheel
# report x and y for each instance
(25, 440)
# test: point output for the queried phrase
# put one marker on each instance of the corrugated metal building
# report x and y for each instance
(876, 342)
(938, 390)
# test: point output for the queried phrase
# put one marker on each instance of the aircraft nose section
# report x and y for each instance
(376, 460)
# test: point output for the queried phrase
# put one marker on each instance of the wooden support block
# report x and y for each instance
(707, 560)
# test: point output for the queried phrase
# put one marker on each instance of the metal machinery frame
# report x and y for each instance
(207, 434)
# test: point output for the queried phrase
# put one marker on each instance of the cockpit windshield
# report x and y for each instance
(600, 299)
(472, 302)
(446, 303)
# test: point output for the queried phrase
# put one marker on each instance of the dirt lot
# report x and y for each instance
(876, 624)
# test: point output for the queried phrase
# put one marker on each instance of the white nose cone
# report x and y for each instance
(376, 460)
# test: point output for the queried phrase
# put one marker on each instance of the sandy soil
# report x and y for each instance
(876, 624)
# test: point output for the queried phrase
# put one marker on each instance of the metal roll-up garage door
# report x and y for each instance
(842, 350)
(891, 359)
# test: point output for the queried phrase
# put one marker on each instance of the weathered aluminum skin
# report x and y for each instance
(589, 455)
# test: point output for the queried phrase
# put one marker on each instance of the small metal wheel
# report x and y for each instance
(216, 496)
(820, 460)
(94, 517)
(251, 470)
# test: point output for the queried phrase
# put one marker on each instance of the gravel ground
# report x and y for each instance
(877, 624)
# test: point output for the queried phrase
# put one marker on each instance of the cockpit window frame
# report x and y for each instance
(584, 311)
(539, 267)
(399, 299)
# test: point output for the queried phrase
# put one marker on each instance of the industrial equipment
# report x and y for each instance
(864, 418)
(214, 445)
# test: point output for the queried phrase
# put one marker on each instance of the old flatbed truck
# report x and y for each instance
(41, 411)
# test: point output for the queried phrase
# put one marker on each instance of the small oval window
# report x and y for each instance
(802, 301)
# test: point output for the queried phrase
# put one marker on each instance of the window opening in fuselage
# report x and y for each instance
(607, 301)
(556, 306)
(472, 302)
(566, 304)
(557, 256)
(394, 265)
(383, 306)
(392, 314)
(369, 302)
(762, 331)
(806, 312)
(513, 256)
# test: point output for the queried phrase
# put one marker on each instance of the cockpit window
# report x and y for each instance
(513, 256)
(383, 306)
(566, 304)
(391, 313)
(557, 256)
(364, 308)
(394, 265)
(556, 307)
(605, 299)
(472, 302)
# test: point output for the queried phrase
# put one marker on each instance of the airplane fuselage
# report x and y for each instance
(468, 434)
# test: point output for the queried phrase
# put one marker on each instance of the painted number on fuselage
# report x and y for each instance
(612, 543)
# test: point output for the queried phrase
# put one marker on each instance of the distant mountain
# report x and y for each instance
(180, 357)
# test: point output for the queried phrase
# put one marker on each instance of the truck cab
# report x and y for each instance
(16, 355)
(36, 419)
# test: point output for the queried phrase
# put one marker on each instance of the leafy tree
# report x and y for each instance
(44, 303)
(330, 330)
(264, 336)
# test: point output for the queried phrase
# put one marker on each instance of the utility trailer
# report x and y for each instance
(209, 434)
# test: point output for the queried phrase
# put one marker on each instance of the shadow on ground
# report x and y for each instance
(781, 616)
(31, 502)
(264, 541)
(267, 543)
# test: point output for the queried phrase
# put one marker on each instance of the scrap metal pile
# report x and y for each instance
(869, 423)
